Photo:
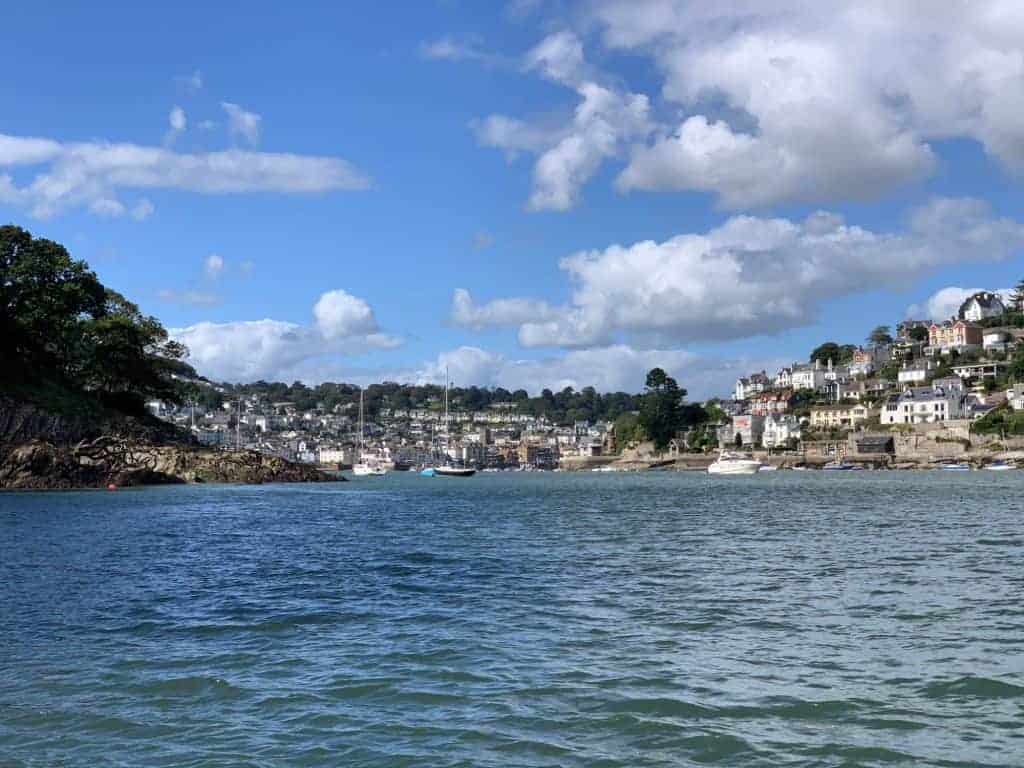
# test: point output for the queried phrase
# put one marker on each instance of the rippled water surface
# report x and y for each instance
(793, 619)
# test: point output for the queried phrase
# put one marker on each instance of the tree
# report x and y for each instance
(918, 333)
(838, 354)
(1017, 298)
(661, 410)
(880, 336)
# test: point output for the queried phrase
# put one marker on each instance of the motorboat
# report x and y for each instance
(955, 466)
(839, 465)
(733, 463)
(1000, 466)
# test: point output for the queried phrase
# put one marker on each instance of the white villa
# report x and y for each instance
(942, 401)
(778, 428)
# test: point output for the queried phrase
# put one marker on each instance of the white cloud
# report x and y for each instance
(465, 312)
(613, 368)
(90, 174)
(845, 95)
(786, 100)
(341, 315)
(242, 122)
(450, 49)
(273, 349)
(748, 277)
(105, 206)
(945, 303)
(604, 120)
(213, 266)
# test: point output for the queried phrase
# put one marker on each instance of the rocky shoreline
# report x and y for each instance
(40, 451)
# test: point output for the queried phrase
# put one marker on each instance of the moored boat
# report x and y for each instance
(732, 463)
(841, 466)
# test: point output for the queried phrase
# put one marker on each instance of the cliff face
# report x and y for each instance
(40, 450)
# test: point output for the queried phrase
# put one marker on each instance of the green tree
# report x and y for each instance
(880, 336)
(661, 414)
(919, 333)
(1017, 298)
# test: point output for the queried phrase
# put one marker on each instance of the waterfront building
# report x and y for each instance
(839, 416)
(924, 405)
(780, 428)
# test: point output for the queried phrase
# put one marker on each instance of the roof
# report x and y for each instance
(985, 300)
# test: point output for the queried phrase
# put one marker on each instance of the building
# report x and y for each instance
(950, 336)
(874, 444)
(980, 371)
(839, 416)
(749, 428)
(784, 378)
(981, 306)
(866, 361)
(750, 386)
(808, 376)
(779, 429)
(774, 401)
(1015, 397)
(924, 405)
(915, 372)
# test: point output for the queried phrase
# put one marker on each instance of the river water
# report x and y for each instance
(659, 619)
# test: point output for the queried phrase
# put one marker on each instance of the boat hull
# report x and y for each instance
(735, 468)
(453, 472)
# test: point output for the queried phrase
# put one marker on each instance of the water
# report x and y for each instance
(796, 619)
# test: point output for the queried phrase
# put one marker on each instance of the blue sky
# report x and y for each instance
(342, 170)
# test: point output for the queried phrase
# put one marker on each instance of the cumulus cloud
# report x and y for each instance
(748, 277)
(91, 174)
(340, 315)
(604, 120)
(143, 209)
(946, 302)
(242, 123)
(785, 100)
(274, 349)
(612, 368)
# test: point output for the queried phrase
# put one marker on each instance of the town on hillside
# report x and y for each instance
(928, 391)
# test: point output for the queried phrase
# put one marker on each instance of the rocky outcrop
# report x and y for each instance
(41, 450)
(125, 462)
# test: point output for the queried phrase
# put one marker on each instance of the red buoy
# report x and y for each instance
(111, 487)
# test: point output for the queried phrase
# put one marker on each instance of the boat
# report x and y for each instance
(368, 465)
(448, 469)
(1000, 466)
(452, 471)
(732, 463)
(841, 466)
(768, 468)
(955, 466)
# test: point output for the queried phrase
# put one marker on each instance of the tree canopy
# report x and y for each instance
(880, 335)
(59, 325)
(830, 350)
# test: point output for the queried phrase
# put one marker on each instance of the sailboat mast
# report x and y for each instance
(361, 428)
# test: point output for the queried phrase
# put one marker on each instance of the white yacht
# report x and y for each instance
(369, 465)
(732, 463)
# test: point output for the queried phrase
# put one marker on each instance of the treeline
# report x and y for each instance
(68, 341)
(564, 407)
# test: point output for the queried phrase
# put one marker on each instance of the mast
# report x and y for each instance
(361, 425)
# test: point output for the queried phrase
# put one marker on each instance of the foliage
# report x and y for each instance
(1017, 299)
(662, 412)
(61, 327)
(839, 354)
(918, 333)
(1002, 420)
(627, 430)
(880, 335)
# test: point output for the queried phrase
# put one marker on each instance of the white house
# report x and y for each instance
(915, 372)
(784, 378)
(924, 405)
(752, 385)
(980, 306)
(778, 428)
(808, 376)
(1015, 397)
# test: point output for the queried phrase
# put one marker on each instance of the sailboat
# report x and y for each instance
(366, 466)
(448, 469)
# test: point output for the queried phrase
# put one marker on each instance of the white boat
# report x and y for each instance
(955, 466)
(768, 468)
(732, 463)
(841, 466)
(1000, 466)
(369, 465)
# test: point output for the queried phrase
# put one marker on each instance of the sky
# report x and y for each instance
(529, 194)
